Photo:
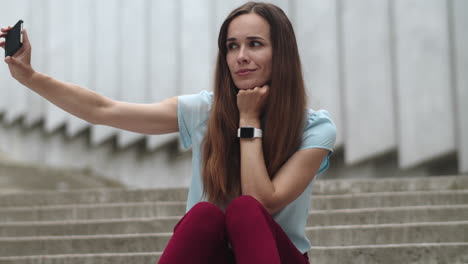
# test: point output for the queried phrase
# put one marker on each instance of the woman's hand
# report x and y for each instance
(251, 102)
(20, 64)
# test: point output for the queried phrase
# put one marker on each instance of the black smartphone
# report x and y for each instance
(14, 39)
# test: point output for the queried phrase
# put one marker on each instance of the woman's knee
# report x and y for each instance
(241, 209)
(204, 208)
(241, 203)
(204, 214)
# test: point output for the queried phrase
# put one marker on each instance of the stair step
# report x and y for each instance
(320, 236)
(432, 183)
(321, 187)
(114, 258)
(427, 253)
(16, 177)
(368, 216)
(152, 209)
(89, 227)
(349, 235)
(50, 245)
(101, 211)
(91, 196)
(388, 215)
(389, 199)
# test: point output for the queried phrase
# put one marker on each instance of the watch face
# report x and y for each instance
(247, 132)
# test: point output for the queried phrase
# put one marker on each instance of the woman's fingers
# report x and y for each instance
(6, 29)
(25, 37)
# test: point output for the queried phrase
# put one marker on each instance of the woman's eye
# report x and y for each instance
(232, 46)
(256, 43)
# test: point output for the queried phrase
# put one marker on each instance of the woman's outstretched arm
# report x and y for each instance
(150, 119)
(157, 118)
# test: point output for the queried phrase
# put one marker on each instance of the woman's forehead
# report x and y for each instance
(248, 25)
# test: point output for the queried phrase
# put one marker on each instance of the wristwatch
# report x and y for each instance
(249, 132)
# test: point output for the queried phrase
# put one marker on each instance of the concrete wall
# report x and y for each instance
(393, 75)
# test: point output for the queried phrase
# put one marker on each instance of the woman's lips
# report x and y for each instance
(245, 73)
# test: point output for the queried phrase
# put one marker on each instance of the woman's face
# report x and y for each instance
(249, 51)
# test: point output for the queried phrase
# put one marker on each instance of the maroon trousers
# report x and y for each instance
(203, 236)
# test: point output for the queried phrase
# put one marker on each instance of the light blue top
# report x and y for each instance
(319, 132)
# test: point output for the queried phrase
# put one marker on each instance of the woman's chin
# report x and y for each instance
(250, 85)
(244, 88)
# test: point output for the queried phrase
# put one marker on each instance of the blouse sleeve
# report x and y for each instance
(192, 109)
(319, 132)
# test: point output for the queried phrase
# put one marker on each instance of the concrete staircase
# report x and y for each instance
(387, 221)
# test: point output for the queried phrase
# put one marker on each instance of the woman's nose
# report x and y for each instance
(242, 56)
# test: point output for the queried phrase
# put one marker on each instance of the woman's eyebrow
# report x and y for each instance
(250, 37)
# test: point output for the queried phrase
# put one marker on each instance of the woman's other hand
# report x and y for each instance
(251, 102)
(20, 64)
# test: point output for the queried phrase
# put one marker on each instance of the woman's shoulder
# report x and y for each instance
(202, 97)
(206, 96)
(319, 129)
(192, 111)
(316, 117)
(195, 104)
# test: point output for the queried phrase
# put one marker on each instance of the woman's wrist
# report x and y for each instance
(27, 80)
(250, 122)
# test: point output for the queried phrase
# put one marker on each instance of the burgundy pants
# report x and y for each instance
(203, 236)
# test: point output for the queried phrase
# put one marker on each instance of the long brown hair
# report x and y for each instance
(282, 119)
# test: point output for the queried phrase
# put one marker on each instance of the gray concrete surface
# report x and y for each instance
(426, 253)
(91, 211)
(112, 224)
(389, 199)
(328, 187)
(365, 220)
(18, 177)
(386, 215)
(50, 245)
(453, 253)
(93, 196)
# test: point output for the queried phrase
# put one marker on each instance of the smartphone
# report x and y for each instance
(14, 39)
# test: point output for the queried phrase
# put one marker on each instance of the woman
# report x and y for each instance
(256, 147)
